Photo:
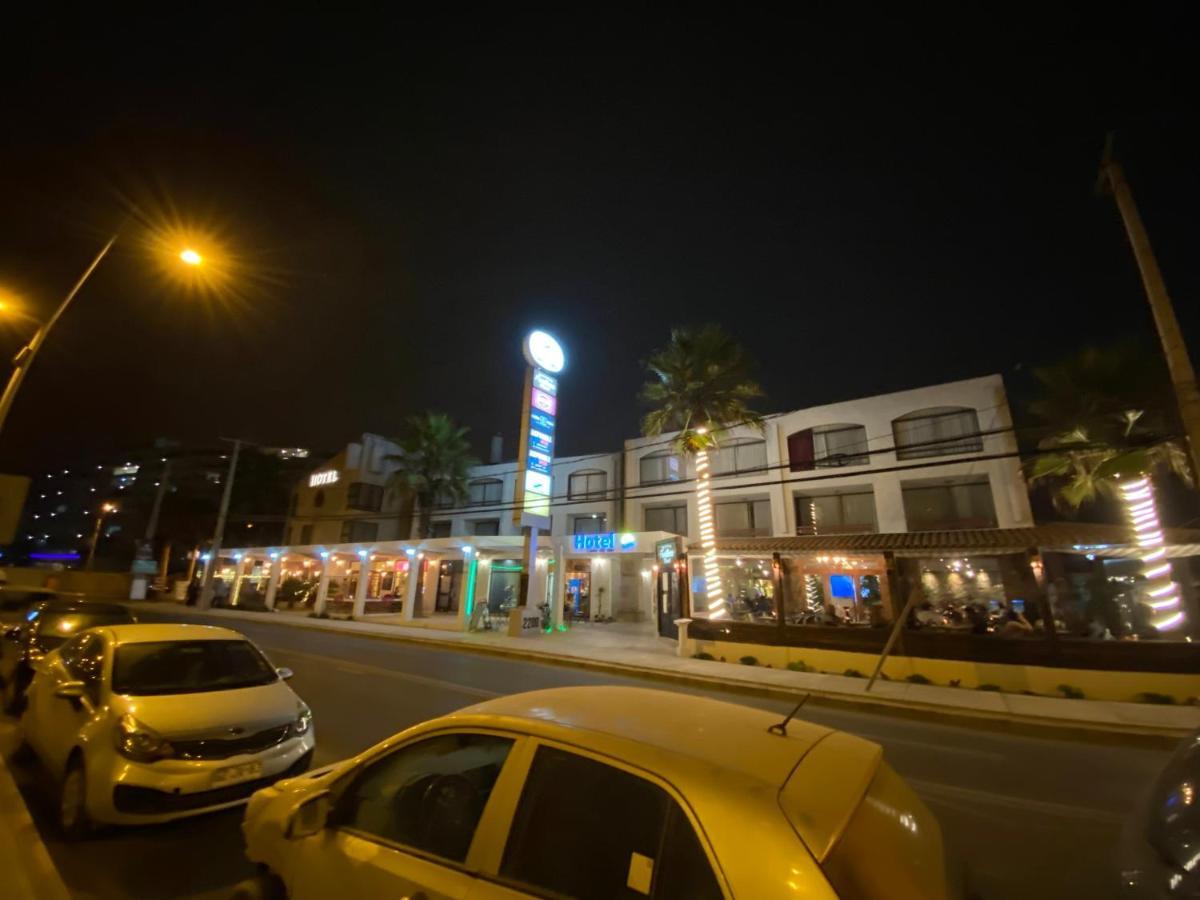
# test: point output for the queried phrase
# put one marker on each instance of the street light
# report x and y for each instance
(105, 510)
(25, 356)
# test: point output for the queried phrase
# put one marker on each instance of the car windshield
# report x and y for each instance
(54, 628)
(188, 667)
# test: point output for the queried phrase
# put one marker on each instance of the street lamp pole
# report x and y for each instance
(214, 551)
(24, 358)
(104, 510)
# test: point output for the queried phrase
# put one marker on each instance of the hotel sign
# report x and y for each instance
(316, 479)
(603, 543)
(539, 418)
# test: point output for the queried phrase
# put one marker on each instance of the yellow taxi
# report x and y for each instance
(601, 792)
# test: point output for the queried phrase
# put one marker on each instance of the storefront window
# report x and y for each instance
(749, 589)
(836, 590)
(578, 584)
(505, 586)
(967, 593)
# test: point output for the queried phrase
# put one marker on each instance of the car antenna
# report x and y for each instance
(780, 728)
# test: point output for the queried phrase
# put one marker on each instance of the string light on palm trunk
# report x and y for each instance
(712, 573)
(1142, 513)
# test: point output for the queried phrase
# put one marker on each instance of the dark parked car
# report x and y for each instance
(47, 625)
(21, 598)
(1161, 847)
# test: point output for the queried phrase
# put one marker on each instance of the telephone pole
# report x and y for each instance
(214, 558)
(1183, 376)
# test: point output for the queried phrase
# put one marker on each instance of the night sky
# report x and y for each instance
(868, 204)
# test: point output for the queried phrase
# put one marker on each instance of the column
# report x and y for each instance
(410, 588)
(322, 587)
(889, 504)
(360, 589)
(560, 586)
(273, 582)
(466, 587)
(237, 580)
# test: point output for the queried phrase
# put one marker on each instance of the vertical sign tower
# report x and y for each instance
(539, 417)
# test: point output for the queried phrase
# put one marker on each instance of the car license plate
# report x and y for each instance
(233, 774)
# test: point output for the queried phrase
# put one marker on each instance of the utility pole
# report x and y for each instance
(164, 484)
(214, 551)
(104, 510)
(1183, 376)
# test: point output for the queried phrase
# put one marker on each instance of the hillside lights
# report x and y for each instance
(1142, 513)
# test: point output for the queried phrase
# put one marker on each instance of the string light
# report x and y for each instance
(1142, 513)
(712, 571)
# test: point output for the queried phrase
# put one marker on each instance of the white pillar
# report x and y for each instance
(464, 586)
(410, 588)
(237, 581)
(273, 582)
(360, 589)
(322, 588)
(558, 586)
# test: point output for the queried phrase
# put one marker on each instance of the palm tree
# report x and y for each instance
(434, 463)
(700, 386)
(1100, 421)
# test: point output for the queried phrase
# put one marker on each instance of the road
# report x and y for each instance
(1032, 816)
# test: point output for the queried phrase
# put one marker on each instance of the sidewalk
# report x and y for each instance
(28, 873)
(631, 649)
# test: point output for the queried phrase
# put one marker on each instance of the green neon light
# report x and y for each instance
(471, 587)
(496, 568)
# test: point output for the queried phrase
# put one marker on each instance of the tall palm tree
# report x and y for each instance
(700, 386)
(1101, 419)
(434, 463)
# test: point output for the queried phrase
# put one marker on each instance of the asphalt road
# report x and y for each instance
(1032, 817)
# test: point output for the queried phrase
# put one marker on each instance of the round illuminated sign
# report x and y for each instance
(543, 351)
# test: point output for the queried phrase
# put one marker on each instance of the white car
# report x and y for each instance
(148, 723)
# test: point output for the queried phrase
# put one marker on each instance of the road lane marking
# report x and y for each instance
(970, 799)
(357, 668)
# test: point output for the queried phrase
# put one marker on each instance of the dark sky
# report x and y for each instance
(868, 204)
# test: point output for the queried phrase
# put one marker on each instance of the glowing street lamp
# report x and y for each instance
(191, 257)
(106, 510)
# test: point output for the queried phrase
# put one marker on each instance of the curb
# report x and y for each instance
(29, 872)
(1125, 733)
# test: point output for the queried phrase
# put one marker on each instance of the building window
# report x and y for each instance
(668, 518)
(852, 512)
(639, 842)
(360, 495)
(354, 530)
(739, 455)
(743, 518)
(440, 529)
(484, 527)
(828, 446)
(319, 498)
(957, 504)
(485, 491)
(937, 432)
(656, 468)
(589, 524)
(306, 535)
(587, 485)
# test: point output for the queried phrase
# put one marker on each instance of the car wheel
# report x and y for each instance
(264, 886)
(73, 818)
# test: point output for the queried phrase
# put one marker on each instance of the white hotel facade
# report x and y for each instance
(935, 458)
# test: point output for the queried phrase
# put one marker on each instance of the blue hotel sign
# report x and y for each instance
(603, 543)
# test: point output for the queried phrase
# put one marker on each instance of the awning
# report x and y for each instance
(1057, 537)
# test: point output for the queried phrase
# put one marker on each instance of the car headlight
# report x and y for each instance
(137, 742)
(303, 719)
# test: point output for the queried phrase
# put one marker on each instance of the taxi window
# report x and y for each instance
(429, 795)
(589, 830)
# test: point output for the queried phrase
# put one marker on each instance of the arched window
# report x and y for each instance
(587, 485)
(828, 446)
(484, 491)
(739, 455)
(658, 467)
(941, 431)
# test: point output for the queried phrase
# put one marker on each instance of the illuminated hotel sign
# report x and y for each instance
(316, 479)
(539, 416)
(603, 543)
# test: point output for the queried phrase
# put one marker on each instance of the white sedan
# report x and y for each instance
(148, 723)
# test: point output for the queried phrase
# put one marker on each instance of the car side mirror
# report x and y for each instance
(309, 817)
(284, 672)
(71, 690)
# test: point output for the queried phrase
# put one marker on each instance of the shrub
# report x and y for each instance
(799, 665)
(917, 678)
(749, 660)
(703, 655)
(1070, 692)
(1155, 697)
(853, 673)
(989, 687)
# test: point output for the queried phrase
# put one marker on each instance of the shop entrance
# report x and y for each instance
(668, 602)
(449, 577)
(578, 594)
